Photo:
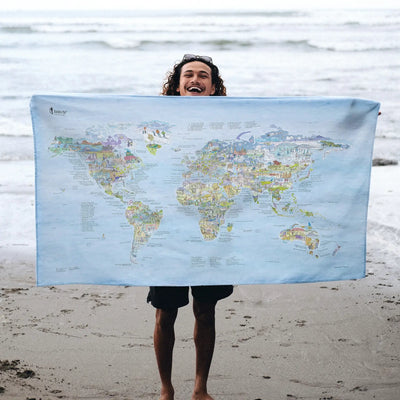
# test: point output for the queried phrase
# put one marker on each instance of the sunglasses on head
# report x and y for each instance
(194, 57)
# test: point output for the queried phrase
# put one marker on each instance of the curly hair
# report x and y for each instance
(171, 83)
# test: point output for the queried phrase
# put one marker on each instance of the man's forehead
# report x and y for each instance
(196, 66)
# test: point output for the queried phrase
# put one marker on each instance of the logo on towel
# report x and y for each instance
(53, 111)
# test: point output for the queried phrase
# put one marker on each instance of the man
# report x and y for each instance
(193, 76)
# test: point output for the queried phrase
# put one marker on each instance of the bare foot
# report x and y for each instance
(166, 397)
(201, 396)
(167, 393)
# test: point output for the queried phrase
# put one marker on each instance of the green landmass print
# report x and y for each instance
(153, 147)
(155, 134)
(109, 161)
(302, 233)
(144, 222)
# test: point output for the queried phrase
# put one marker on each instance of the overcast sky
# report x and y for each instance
(187, 4)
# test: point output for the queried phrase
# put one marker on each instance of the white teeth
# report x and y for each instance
(194, 89)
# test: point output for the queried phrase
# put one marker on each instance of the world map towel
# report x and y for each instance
(134, 190)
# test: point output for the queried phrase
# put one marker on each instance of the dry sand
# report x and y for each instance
(330, 340)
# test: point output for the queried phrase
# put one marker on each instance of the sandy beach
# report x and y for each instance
(330, 340)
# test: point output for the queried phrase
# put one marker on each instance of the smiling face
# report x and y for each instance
(195, 80)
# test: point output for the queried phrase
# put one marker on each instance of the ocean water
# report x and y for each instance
(289, 53)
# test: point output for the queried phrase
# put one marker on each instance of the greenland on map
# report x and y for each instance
(134, 190)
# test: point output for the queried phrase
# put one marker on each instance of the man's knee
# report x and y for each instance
(166, 318)
(204, 312)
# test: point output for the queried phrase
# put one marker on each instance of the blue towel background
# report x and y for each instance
(135, 190)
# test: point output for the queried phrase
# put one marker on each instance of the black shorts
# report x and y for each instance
(171, 297)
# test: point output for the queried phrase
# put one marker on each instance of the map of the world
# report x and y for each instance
(195, 191)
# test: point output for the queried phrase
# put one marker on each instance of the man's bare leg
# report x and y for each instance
(204, 339)
(164, 339)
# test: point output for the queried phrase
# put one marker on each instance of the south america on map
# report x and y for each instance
(269, 196)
